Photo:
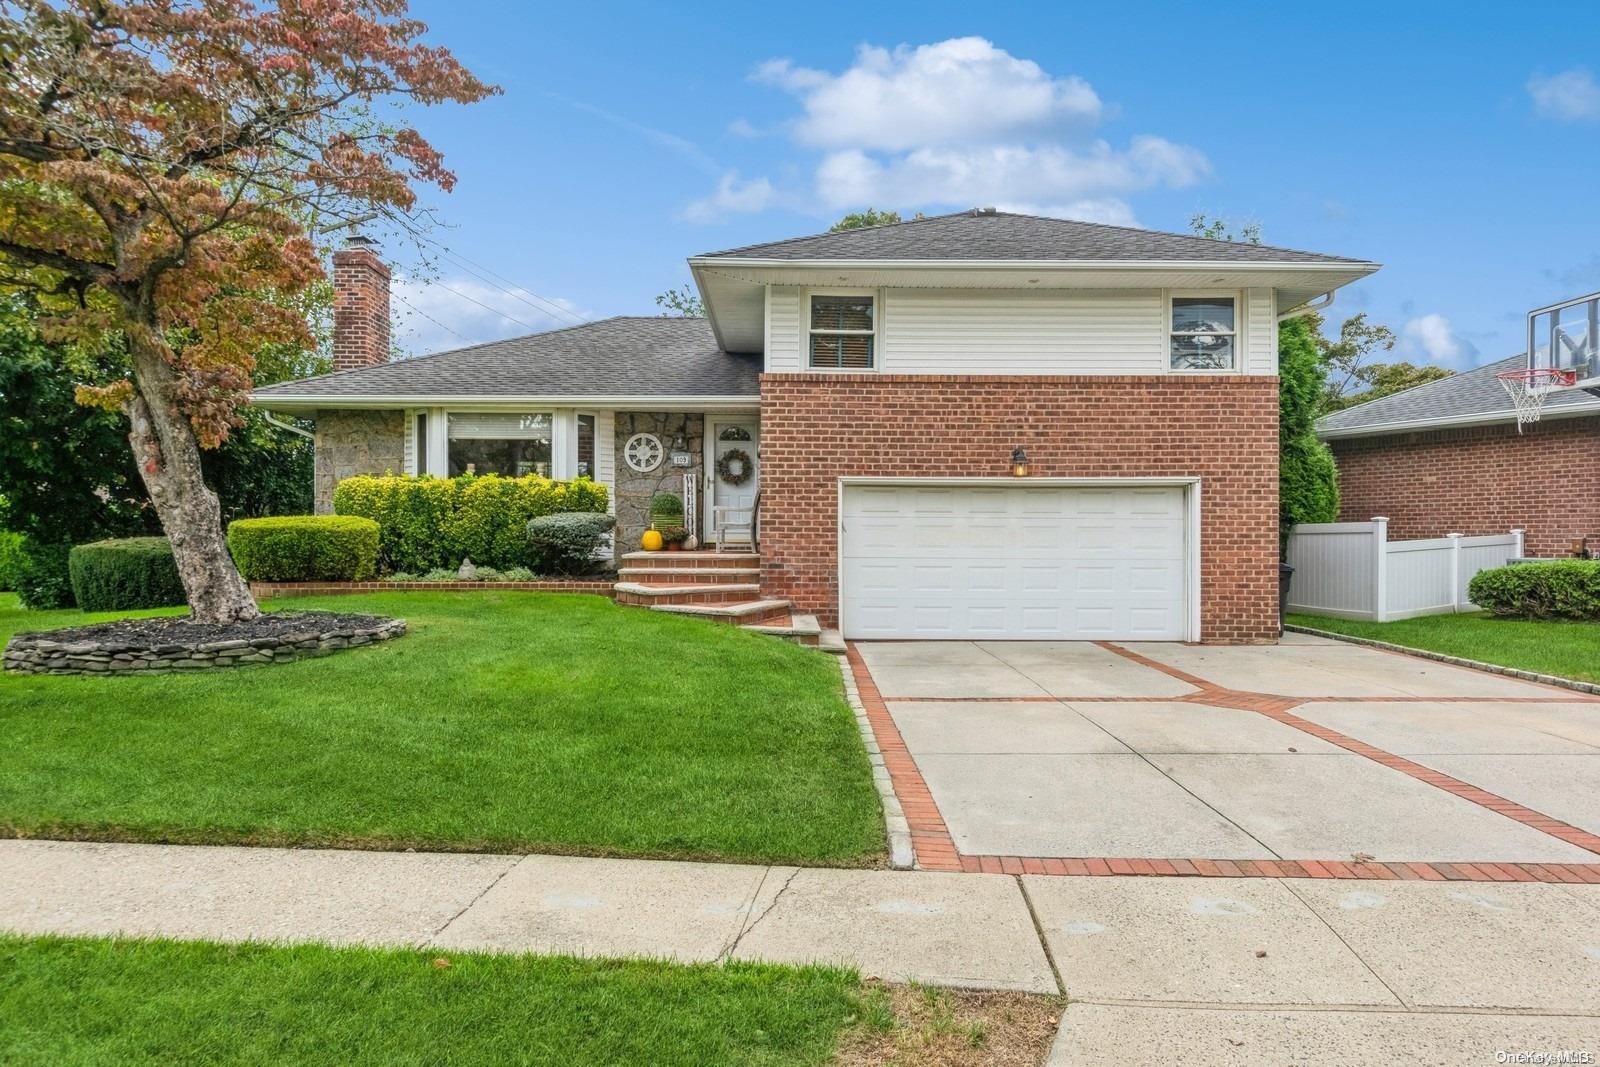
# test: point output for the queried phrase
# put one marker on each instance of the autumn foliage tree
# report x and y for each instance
(156, 161)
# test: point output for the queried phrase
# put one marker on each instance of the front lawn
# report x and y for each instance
(1566, 649)
(504, 721)
(93, 1001)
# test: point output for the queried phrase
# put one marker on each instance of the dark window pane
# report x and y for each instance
(1202, 314)
(841, 351)
(586, 445)
(422, 443)
(512, 458)
(841, 313)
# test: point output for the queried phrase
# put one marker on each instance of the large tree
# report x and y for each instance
(155, 158)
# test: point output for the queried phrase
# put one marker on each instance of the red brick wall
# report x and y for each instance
(1223, 430)
(360, 309)
(1478, 480)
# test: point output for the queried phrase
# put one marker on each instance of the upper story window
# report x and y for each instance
(1204, 332)
(843, 332)
(490, 443)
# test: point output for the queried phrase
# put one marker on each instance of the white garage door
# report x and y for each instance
(1014, 562)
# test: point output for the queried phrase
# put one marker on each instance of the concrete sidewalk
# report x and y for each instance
(1211, 970)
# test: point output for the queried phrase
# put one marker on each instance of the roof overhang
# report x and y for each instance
(1453, 422)
(733, 287)
(305, 404)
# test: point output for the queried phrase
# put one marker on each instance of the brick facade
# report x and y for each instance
(1478, 480)
(816, 428)
(360, 308)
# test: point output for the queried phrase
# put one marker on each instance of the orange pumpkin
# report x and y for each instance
(651, 541)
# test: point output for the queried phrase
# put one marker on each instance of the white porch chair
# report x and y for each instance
(734, 525)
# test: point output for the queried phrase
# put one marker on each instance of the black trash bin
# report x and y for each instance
(1285, 573)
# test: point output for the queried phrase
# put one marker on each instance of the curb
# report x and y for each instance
(1455, 661)
(901, 856)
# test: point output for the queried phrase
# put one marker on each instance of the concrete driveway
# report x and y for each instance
(1310, 750)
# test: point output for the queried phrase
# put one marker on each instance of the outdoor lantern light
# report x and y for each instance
(1019, 462)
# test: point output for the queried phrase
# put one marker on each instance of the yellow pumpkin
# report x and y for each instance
(651, 541)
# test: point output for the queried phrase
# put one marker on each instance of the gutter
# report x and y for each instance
(304, 401)
(1360, 266)
(280, 424)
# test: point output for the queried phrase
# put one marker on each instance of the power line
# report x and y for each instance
(486, 307)
(431, 319)
(542, 304)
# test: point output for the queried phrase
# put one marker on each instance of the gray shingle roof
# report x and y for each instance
(1461, 396)
(1000, 235)
(624, 356)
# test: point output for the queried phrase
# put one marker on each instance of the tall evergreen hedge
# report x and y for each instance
(1308, 479)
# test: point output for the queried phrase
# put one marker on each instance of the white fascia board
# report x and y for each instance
(705, 301)
(510, 403)
(1448, 422)
(1358, 266)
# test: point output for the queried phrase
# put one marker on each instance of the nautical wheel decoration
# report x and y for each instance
(735, 467)
(643, 452)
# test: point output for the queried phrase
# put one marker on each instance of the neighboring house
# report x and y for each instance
(885, 380)
(1446, 457)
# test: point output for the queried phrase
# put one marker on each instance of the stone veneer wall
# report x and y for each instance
(1222, 429)
(39, 654)
(1478, 480)
(634, 490)
(356, 442)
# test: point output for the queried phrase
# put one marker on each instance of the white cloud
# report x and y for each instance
(960, 91)
(959, 123)
(732, 197)
(433, 315)
(1571, 96)
(1431, 336)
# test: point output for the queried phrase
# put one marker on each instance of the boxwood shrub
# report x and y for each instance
(11, 559)
(431, 523)
(566, 543)
(1559, 589)
(305, 548)
(118, 575)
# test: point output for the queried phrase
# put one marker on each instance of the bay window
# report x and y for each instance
(494, 443)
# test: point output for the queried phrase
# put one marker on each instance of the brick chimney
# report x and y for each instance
(360, 305)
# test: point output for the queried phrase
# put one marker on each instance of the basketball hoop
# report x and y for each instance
(1529, 387)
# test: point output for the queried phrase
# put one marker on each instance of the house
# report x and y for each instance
(976, 425)
(1448, 457)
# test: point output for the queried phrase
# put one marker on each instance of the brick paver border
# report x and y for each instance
(936, 850)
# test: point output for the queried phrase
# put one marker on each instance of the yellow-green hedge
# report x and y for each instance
(304, 548)
(426, 523)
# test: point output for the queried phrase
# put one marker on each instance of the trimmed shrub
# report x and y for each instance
(1559, 589)
(123, 574)
(567, 543)
(11, 560)
(432, 523)
(43, 579)
(305, 548)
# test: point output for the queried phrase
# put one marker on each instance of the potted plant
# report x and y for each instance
(674, 536)
(666, 509)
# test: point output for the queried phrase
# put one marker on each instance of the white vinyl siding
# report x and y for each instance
(785, 346)
(605, 456)
(1260, 332)
(409, 455)
(977, 331)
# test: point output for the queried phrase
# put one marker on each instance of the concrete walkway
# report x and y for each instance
(1203, 970)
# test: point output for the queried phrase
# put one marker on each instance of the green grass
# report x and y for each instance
(1566, 649)
(504, 721)
(93, 1001)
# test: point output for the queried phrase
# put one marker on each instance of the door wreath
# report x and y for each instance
(735, 467)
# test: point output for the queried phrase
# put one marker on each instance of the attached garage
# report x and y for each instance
(1018, 560)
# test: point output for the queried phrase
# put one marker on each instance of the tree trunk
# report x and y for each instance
(168, 457)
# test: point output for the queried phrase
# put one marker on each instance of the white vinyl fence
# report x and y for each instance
(1352, 570)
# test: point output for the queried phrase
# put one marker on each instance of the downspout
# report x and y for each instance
(280, 424)
(1308, 307)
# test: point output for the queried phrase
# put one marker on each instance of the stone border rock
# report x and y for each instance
(1454, 661)
(901, 855)
(39, 653)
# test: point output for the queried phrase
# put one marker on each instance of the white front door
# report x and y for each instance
(734, 450)
(1014, 561)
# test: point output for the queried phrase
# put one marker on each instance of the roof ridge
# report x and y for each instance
(1174, 233)
(835, 233)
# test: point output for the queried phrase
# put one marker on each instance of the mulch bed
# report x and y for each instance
(182, 631)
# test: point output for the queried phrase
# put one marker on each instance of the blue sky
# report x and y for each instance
(1462, 153)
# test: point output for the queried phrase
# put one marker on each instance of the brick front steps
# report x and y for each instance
(720, 587)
